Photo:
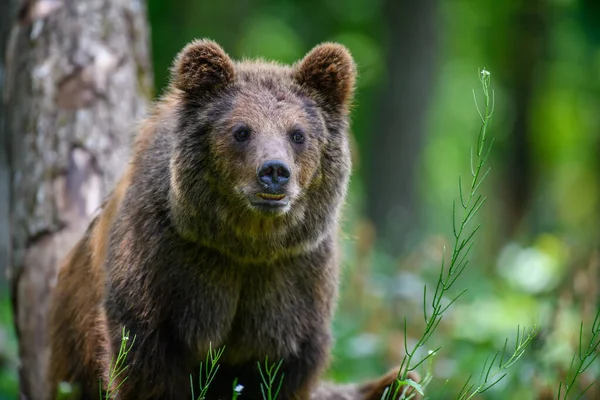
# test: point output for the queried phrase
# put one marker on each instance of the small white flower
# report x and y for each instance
(126, 338)
(485, 72)
(238, 389)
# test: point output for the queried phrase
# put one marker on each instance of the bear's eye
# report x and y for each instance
(298, 136)
(242, 134)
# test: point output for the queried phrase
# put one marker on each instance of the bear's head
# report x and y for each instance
(262, 146)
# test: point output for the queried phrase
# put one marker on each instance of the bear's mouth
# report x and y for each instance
(269, 196)
(270, 202)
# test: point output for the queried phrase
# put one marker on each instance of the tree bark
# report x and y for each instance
(6, 11)
(397, 140)
(77, 78)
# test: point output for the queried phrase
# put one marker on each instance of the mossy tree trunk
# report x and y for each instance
(77, 77)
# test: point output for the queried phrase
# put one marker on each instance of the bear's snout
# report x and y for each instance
(273, 175)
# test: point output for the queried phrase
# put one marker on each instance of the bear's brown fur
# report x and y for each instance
(189, 251)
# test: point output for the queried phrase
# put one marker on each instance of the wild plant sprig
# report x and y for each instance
(495, 371)
(409, 383)
(118, 367)
(211, 366)
(266, 387)
(585, 358)
(463, 240)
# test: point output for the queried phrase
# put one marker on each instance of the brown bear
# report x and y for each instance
(222, 232)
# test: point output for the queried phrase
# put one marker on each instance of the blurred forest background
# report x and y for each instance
(535, 260)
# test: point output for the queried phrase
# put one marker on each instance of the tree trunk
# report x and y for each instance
(526, 53)
(6, 11)
(397, 138)
(77, 78)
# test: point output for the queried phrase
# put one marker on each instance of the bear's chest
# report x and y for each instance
(256, 312)
(273, 316)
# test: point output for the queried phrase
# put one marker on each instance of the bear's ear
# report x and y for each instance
(202, 66)
(328, 71)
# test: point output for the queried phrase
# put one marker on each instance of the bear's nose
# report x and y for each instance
(273, 174)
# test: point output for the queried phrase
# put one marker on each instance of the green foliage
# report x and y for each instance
(269, 376)
(9, 383)
(211, 366)
(463, 243)
(118, 366)
(493, 373)
(581, 361)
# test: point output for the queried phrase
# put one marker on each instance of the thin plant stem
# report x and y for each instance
(581, 361)
(268, 377)
(495, 371)
(208, 369)
(117, 368)
(469, 204)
